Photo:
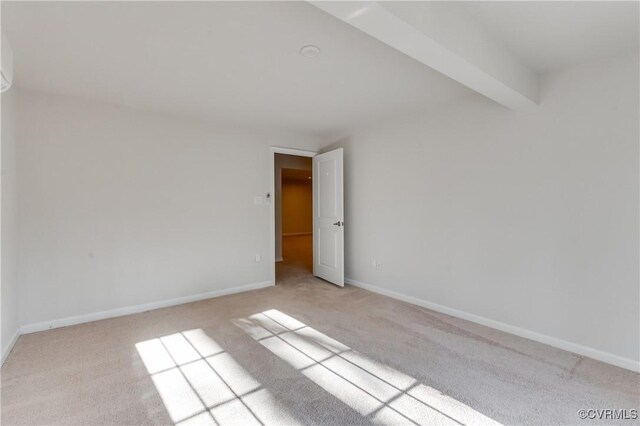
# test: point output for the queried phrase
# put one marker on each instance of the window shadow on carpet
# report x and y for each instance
(380, 393)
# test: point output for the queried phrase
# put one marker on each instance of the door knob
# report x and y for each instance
(338, 223)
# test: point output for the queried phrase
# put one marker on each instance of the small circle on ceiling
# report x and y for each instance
(310, 51)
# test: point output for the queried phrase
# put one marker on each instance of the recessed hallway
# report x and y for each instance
(297, 263)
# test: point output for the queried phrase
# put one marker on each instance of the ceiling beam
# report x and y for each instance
(447, 41)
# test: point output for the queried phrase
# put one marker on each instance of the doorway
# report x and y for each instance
(292, 228)
(307, 215)
(294, 210)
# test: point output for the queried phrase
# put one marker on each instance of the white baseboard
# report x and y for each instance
(12, 343)
(112, 313)
(279, 259)
(597, 354)
(296, 234)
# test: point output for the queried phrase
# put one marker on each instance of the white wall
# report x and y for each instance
(527, 218)
(9, 219)
(120, 207)
(284, 161)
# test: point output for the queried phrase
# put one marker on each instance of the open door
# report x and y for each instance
(328, 217)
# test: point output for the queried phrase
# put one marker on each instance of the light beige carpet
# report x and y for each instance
(302, 352)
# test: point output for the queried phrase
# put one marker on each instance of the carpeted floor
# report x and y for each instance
(302, 352)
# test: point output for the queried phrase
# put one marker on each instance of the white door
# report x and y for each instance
(328, 217)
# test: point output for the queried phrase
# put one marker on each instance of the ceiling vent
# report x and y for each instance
(6, 65)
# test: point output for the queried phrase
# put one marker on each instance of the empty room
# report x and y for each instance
(320, 213)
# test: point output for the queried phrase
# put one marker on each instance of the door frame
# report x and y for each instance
(272, 190)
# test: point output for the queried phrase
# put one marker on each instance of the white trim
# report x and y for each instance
(293, 151)
(112, 313)
(12, 343)
(296, 234)
(273, 150)
(597, 354)
(279, 259)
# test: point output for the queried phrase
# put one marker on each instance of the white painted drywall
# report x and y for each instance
(9, 220)
(527, 218)
(284, 161)
(447, 41)
(120, 207)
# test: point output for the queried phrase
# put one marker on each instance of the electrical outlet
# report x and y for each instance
(258, 257)
(378, 265)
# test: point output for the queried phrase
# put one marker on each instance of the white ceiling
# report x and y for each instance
(233, 62)
(548, 35)
(238, 62)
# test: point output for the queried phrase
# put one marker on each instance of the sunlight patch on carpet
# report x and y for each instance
(380, 393)
(201, 384)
